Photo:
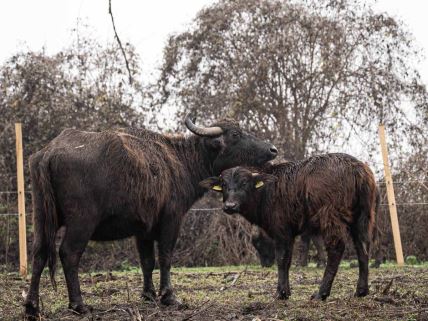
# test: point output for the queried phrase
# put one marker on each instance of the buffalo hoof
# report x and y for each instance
(149, 295)
(32, 311)
(283, 295)
(80, 308)
(168, 298)
(361, 292)
(318, 297)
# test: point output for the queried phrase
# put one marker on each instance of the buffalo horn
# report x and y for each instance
(202, 131)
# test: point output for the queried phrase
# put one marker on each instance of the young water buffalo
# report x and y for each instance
(121, 183)
(329, 194)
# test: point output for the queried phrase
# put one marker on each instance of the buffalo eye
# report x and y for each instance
(235, 134)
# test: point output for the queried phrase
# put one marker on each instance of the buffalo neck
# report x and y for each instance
(197, 159)
(255, 210)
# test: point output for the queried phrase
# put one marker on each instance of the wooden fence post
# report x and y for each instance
(391, 197)
(21, 202)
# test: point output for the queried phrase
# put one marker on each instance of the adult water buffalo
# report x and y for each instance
(331, 195)
(119, 183)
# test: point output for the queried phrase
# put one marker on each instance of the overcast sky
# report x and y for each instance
(33, 25)
(29, 24)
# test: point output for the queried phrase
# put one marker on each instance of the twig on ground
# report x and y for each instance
(253, 293)
(107, 311)
(153, 314)
(385, 300)
(235, 278)
(388, 286)
(127, 291)
(200, 309)
(134, 313)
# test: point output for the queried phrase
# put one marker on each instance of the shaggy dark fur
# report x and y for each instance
(331, 195)
(120, 183)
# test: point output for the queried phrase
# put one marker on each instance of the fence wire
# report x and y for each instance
(214, 209)
(10, 194)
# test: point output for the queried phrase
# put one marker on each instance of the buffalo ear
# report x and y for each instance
(211, 183)
(260, 180)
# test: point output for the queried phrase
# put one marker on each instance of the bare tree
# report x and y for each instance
(82, 86)
(303, 73)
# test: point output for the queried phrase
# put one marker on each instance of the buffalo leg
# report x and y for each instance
(70, 252)
(32, 301)
(147, 260)
(334, 256)
(167, 240)
(379, 257)
(378, 249)
(319, 245)
(283, 253)
(303, 250)
(363, 267)
(40, 253)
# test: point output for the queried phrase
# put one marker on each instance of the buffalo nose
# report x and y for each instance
(230, 207)
(273, 150)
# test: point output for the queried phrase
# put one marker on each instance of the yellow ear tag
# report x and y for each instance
(259, 184)
(217, 188)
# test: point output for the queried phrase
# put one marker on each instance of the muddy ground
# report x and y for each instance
(232, 293)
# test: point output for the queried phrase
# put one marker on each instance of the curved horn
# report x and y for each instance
(202, 131)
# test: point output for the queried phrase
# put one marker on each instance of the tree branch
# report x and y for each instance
(119, 42)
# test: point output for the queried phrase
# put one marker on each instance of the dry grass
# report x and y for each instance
(233, 293)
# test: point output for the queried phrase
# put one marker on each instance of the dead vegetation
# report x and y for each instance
(232, 293)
